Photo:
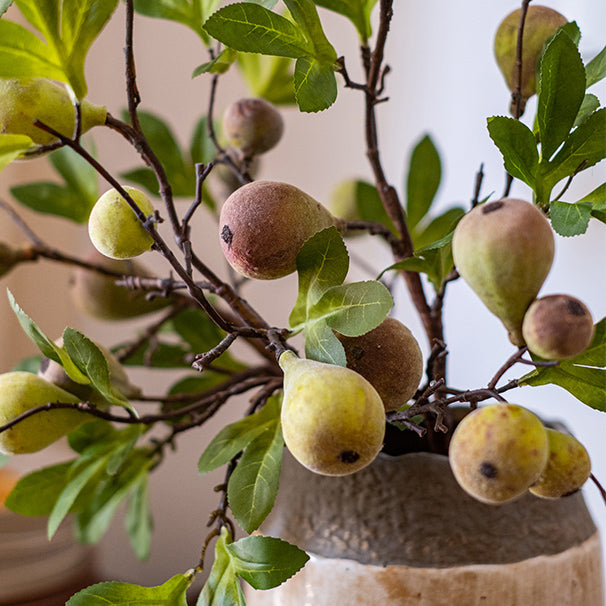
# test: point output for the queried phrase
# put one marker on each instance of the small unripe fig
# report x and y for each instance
(24, 100)
(504, 251)
(115, 229)
(252, 126)
(557, 327)
(541, 22)
(567, 469)
(263, 225)
(333, 420)
(389, 358)
(100, 297)
(20, 391)
(498, 451)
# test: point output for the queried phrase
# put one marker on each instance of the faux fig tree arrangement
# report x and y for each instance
(342, 382)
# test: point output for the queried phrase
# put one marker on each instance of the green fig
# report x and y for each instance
(567, 469)
(333, 420)
(99, 296)
(540, 24)
(389, 358)
(252, 126)
(21, 391)
(557, 327)
(24, 100)
(115, 229)
(263, 225)
(504, 251)
(498, 451)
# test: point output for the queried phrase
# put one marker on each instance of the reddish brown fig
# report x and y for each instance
(263, 225)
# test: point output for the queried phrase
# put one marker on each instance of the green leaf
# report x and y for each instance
(266, 562)
(4, 459)
(52, 199)
(315, 85)
(253, 485)
(219, 65)
(11, 146)
(236, 436)
(201, 149)
(249, 27)
(171, 593)
(79, 176)
(424, 174)
(590, 104)
(370, 206)
(29, 364)
(139, 521)
(36, 493)
(438, 228)
(222, 587)
(4, 6)
(595, 70)
(517, 144)
(597, 199)
(353, 309)
(560, 89)
(322, 262)
(322, 345)
(583, 376)
(569, 219)
(268, 77)
(69, 32)
(160, 355)
(357, 11)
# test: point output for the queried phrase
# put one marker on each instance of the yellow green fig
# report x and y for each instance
(541, 23)
(498, 451)
(567, 469)
(21, 391)
(263, 225)
(557, 327)
(389, 357)
(25, 100)
(504, 251)
(115, 229)
(98, 295)
(333, 420)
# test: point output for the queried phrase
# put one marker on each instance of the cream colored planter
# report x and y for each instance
(401, 532)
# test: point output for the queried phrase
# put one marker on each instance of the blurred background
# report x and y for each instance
(444, 82)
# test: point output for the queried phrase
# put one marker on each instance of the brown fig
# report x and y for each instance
(504, 251)
(389, 358)
(557, 327)
(252, 126)
(263, 225)
(541, 22)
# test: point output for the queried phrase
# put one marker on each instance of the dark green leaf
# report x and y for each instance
(266, 562)
(596, 68)
(201, 149)
(29, 364)
(52, 199)
(439, 228)
(353, 309)
(322, 262)
(171, 593)
(139, 522)
(590, 104)
(79, 176)
(249, 27)
(357, 11)
(315, 85)
(597, 199)
(322, 345)
(595, 354)
(36, 493)
(97, 431)
(236, 436)
(222, 587)
(560, 89)
(517, 144)
(144, 177)
(569, 219)
(424, 174)
(11, 146)
(253, 485)
(160, 355)
(369, 205)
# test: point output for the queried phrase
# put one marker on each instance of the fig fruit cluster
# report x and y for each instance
(500, 451)
(504, 250)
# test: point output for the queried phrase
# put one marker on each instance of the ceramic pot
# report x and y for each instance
(402, 532)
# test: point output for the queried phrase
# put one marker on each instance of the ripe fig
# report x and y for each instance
(504, 251)
(541, 22)
(557, 327)
(21, 391)
(498, 451)
(252, 126)
(389, 358)
(24, 100)
(567, 469)
(115, 229)
(263, 225)
(100, 297)
(333, 420)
